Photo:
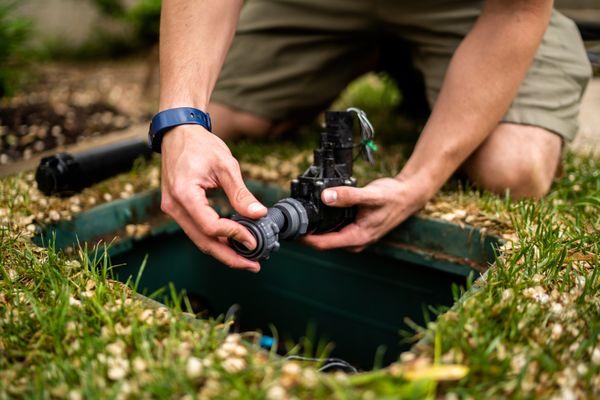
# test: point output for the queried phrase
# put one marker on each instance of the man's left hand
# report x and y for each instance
(382, 205)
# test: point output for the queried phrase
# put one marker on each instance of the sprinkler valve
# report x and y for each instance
(303, 212)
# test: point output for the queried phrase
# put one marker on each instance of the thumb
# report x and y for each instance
(240, 197)
(347, 196)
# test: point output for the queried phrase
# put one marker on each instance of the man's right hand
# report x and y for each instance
(194, 160)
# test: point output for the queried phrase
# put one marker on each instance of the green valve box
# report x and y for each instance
(359, 303)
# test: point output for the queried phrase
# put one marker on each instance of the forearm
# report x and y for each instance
(481, 81)
(194, 39)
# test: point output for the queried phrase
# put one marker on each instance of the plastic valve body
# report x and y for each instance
(304, 212)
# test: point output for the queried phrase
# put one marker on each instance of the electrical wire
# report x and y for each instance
(367, 134)
(328, 363)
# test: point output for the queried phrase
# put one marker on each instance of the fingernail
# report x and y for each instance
(329, 196)
(248, 245)
(255, 207)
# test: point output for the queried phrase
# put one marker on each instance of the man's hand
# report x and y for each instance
(194, 160)
(383, 204)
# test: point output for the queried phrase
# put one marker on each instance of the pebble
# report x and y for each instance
(56, 131)
(117, 372)
(74, 302)
(139, 365)
(75, 395)
(42, 132)
(596, 356)
(39, 146)
(234, 365)
(276, 393)
(130, 229)
(193, 367)
(116, 348)
(557, 330)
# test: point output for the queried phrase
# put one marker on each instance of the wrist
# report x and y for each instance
(176, 135)
(427, 173)
(420, 188)
(182, 135)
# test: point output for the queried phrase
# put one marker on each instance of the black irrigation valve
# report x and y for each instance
(303, 212)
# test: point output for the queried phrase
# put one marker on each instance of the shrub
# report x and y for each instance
(14, 32)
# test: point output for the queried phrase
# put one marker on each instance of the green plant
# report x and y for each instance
(141, 22)
(144, 17)
(14, 32)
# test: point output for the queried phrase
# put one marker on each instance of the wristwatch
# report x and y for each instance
(166, 120)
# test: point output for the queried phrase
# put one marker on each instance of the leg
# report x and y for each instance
(288, 61)
(230, 123)
(522, 153)
(519, 158)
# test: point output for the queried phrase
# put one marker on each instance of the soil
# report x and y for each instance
(33, 128)
(66, 104)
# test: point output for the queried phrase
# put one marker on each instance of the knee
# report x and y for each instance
(524, 178)
(520, 160)
(229, 123)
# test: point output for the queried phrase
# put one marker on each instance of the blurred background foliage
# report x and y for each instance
(14, 33)
(22, 44)
(137, 34)
(140, 22)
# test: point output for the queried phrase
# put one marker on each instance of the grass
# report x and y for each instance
(68, 330)
(531, 330)
(528, 328)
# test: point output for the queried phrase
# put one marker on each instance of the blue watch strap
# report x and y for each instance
(169, 119)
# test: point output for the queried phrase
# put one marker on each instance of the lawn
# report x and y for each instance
(528, 328)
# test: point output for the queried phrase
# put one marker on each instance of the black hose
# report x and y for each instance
(64, 174)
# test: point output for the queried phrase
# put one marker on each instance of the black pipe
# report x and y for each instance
(64, 174)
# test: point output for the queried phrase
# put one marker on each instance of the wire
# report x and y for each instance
(367, 133)
(328, 363)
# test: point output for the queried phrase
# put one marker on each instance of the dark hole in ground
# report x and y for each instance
(359, 303)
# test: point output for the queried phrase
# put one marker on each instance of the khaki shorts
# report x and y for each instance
(291, 58)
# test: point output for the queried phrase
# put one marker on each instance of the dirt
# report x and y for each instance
(32, 128)
(66, 104)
